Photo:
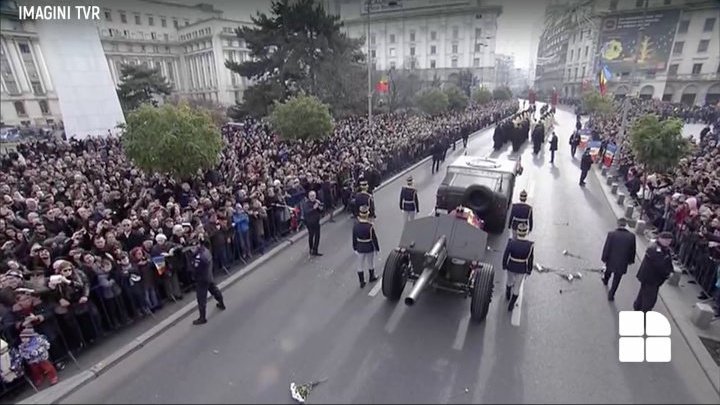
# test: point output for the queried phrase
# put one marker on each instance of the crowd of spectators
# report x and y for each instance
(685, 200)
(88, 243)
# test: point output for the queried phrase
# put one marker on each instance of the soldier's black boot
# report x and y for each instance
(508, 292)
(372, 278)
(361, 277)
(511, 305)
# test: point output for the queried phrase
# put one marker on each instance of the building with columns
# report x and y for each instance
(430, 36)
(189, 44)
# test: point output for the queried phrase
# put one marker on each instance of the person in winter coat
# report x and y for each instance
(618, 253)
(132, 285)
(241, 225)
(34, 349)
(140, 259)
(585, 166)
(553, 146)
(574, 142)
(655, 268)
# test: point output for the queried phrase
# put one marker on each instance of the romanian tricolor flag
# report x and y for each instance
(603, 76)
(382, 86)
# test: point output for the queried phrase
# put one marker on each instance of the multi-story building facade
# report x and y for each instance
(189, 44)
(504, 67)
(678, 59)
(429, 36)
(553, 47)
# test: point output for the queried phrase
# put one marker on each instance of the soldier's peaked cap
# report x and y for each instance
(409, 179)
(523, 195)
(522, 229)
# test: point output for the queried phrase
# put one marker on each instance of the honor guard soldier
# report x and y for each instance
(518, 261)
(521, 213)
(409, 203)
(365, 244)
(364, 198)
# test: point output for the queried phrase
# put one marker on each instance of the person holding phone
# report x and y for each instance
(312, 212)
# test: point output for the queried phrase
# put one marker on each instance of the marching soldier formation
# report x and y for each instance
(521, 213)
(409, 203)
(518, 262)
(365, 244)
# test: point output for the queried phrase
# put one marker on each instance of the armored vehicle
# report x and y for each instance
(443, 252)
(481, 184)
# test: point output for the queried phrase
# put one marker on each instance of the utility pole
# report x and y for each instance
(369, 72)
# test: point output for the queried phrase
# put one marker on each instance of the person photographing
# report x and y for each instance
(312, 212)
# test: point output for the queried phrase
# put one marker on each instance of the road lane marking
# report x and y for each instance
(461, 332)
(376, 288)
(517, 312)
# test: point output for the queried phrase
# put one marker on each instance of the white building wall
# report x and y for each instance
(79, 69)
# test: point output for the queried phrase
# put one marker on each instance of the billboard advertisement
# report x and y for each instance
(642, 38)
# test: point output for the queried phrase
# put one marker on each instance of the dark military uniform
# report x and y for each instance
(518, 261)
(365, 244)
(655, 268)
(409, 203)
(363, 198)
(521, 213)
(204, 282)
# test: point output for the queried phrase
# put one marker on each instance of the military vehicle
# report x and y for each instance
(445, 253)
(481, 184)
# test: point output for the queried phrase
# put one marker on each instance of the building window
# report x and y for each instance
(477, 47)
(187, 22)
(433, 35)
(412, 51)
(372, 53)
(153, 35)
(392, 65)
(392, 52)
(478, 32)
(476, 62)
(718, 69)
(412, 36)
(454, 48)
(137, 19)
(455, 32)
(433, 49)
(372, 39)
(709, 25)
(576, 73)
(166, 37)
(678, 48)
(454, 62)
(672, 71)
(572, 54)
(20, 109)
(581, 34)
(108, 15)
(155, 49)
(126, 33)
(639, 3)
(703, 45)
(697, 68)
(24, 48)
(432, 63)
(37, 88)
(163, 22)
(587, 50)
(569, 74)
(123, 18)
(683, 28)
(151, 21)
(613, 4)
(583, 72)
(142, 48)
(44, 108)
(392, 38)
(175, 23)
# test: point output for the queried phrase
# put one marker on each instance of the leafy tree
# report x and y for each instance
(502, 93)
(173, 140)
(301, 117)
(595, 103)
(404, 86)
(139, 84)
(457, 100)
(482, 95)
(658, 145)
(296, 49)
(432, 101)
(217, 111)
(464, 81)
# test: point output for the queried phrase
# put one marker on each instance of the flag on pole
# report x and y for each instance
(382, 86)
(603, 76)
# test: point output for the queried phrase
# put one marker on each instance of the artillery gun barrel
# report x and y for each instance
(434, 260)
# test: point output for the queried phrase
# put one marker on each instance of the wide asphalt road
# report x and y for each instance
(303, 319)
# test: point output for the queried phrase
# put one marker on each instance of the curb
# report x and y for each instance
(59, 392)
(697, 348)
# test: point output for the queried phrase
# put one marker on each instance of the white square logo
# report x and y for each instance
(644, 337)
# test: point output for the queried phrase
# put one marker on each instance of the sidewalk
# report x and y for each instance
(679, 300)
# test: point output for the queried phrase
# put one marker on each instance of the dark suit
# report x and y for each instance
(618, 253)
(655, 268)
(204, 280)
(585, 166)
(312, 217)
(553, 147)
